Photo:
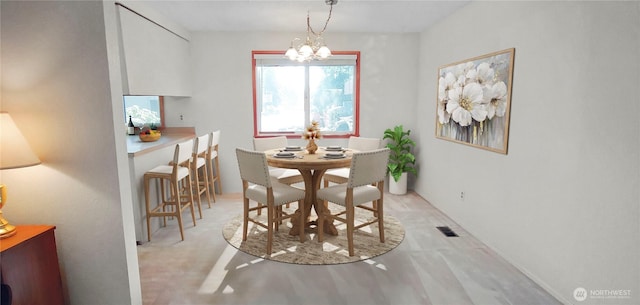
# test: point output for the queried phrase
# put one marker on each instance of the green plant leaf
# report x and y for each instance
(401, 159)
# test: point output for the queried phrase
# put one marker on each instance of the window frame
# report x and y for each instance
(292, 134)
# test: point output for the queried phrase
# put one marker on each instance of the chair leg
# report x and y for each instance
(350, 225)
(212, 180)
(270, 211)
(301, 220)
(178, 210)
(374, 205)
(163, 198)
(147, 204)
(379, 209)
(320, 225)
(245, 221)
(205, 183)
(380, 224)
(190, 199)
(195, 180)
(180, 225)
(218, 179)
(278, 218)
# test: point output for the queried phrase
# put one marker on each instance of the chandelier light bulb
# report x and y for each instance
(323, 52)
(292, 53)
(306, 50)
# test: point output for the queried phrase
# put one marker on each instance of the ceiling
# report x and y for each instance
(388, 16)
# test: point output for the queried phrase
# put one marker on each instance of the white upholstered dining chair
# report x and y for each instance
(284, 175)
(340, 175)
(258, 186)
(365, 184)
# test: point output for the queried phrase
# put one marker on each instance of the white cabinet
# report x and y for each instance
(154, 59)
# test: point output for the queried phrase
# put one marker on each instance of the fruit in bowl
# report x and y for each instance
(149, 135)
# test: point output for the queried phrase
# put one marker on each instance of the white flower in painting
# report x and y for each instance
(445, 84)
(461, 81)
(463, 68)
(467, 103)
(482, 75)
(471, 76)
(495, 98)
(443, 116)
(485, 74)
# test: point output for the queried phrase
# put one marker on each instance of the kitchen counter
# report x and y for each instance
(170, 137)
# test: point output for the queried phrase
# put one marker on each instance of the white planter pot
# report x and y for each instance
(400, 187)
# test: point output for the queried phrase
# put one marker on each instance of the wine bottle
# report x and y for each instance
(131, 130)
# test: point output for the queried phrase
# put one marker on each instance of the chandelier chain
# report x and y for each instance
(325, 24)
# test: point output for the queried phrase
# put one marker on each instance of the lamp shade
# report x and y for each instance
(15, 151)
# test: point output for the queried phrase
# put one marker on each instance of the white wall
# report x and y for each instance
(562, 205)
(56, 85)
(223, 87)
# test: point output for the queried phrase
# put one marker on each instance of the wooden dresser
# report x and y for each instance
(29, 267)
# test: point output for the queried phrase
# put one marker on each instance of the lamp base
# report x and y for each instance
(6, 229)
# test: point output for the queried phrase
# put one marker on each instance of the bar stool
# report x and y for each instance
(200, 171)
(179, 196)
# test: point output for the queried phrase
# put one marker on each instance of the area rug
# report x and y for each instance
(333, 250)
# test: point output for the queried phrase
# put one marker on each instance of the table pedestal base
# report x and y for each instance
(312, 180)
(312, 226)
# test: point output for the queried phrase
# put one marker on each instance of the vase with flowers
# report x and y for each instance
(312, 133)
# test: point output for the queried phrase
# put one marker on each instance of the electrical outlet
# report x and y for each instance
(462, 196)
(181, 117)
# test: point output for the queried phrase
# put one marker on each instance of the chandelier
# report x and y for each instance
(313, 48)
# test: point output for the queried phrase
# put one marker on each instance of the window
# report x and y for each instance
(289, 95)
(144, 110)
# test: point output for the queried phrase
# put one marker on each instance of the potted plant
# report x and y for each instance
(401, 160)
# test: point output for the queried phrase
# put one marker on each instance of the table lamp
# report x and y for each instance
(15, 152)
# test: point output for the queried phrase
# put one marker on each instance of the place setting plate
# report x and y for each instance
(334, 155)
(284, 155)
(334, 148)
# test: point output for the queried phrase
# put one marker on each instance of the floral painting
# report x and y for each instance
(474, 101)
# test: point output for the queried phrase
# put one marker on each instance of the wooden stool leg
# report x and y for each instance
(191, 203)
(195, 180)
(178, 210)
(205, 183)
(212, 179)
(218, 178)
(147, 204)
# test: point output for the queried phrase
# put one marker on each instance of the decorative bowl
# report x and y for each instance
(150, 137)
